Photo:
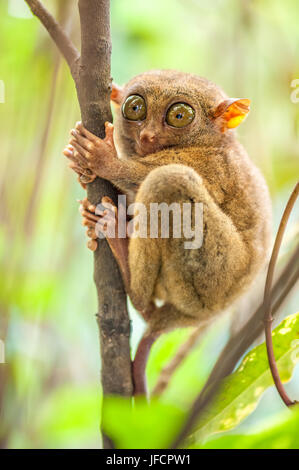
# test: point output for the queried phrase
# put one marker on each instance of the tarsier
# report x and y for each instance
(174, 141)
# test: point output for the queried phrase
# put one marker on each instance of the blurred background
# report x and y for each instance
(50, 392)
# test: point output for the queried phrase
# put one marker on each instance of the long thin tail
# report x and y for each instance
(140, 361)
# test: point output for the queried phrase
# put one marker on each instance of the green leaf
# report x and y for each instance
(241, 391)
(143, 426)
(282, 434)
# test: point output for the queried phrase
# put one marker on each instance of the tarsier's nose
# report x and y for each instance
(147, 137)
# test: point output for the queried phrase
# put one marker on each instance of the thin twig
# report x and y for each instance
(267, 298)
(63, 42)
(237, 346)
(169, 370)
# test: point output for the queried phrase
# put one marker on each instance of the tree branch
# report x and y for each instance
(267, 298)
(94, 89)
(93, 83)
(63, 42)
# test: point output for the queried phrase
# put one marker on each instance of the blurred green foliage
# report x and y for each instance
(240, 392)
(281, 433)
(144, 426)
(154, 425)
(49, 390)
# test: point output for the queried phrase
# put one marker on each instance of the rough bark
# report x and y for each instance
(94, 88)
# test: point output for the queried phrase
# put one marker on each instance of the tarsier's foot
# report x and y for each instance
(102, 221)
(89, 220)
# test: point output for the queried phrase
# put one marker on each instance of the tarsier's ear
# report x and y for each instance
(116, 94)
(230, 113)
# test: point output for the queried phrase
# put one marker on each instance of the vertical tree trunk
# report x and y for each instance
(91, 73)
(94, 88)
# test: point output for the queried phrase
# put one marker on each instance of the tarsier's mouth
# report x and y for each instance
(147, 149)
(144, 150)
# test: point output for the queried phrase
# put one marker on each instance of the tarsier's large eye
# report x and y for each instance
(134, 108)
(180, 115)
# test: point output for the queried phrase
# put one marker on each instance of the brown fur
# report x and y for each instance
(202, 162)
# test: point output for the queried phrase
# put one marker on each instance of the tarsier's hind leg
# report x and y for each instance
(200, 281)
(194, 283)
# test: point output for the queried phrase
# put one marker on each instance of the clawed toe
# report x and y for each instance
(109, 205)
(92, 245)
(100, 220)
(89, 220)
(91, 233)
(88, 223)
(109, 130)
(89, 215)
(86, 205)
(87, 210)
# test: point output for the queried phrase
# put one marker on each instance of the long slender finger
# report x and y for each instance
(91, 233)
(107, 200)
(88, 223)
(92, 245)
(75, 168)
(89, 215)
(86, 204)
(109, 129)
(81, 161)
(109, 204)
(72, 154)
(83, 141)
(80, 149)
(68, 153)
(85, 132)
(99, 213)
(80, 166)
(86, 174)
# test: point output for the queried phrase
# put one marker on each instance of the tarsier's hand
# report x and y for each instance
(90, 155)
(85, 175)
(79, 165)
